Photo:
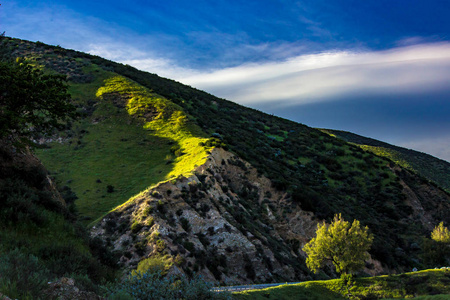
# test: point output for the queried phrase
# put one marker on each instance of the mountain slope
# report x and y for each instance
(159, 141)
(40, 240)
(288, 176)
(430, 167)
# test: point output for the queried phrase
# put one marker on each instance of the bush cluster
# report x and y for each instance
(153, 285)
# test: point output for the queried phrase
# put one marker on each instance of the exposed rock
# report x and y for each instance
(227, 223)
(219, 220)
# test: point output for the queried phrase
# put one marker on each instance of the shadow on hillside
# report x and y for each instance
(108, 161)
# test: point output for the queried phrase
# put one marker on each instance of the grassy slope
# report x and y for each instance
(39, 239)
(432, 168)
(394, 286)
(123, 149)
(320, 173)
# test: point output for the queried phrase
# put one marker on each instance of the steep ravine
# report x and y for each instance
(226, 222)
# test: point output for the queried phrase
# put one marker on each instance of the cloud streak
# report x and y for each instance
(324, 76)
(350, 87)
(439, 147)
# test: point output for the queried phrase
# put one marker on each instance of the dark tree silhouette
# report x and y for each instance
(31, 102)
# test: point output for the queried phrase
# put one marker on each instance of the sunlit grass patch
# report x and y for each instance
(163, 119)
(132, 140)
(380, 287)
(388, 153)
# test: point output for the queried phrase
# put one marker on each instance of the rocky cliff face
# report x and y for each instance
(227, 223)
(224, 222)
(430, 204)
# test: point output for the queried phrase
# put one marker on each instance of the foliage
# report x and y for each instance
(320, 173)
(435, 254)
(130, 150)
(39, 238)
(441, 233)
(408, 285)
(32, 102)
(344, 245)
(164, 119)
(430, 167)
(153, 285)
(136, 226)
(388, 153)
(22, 204)
(22, 275)
(155, 263)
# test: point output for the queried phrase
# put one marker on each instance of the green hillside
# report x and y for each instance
(138, 129)
(40, 239)
(116, 150)
(430, 167)
(322, 174)
(119, 147)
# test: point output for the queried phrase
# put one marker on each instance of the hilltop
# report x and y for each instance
(165, 174)
(430, 167)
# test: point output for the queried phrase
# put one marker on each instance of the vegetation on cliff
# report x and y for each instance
(432, 168)
(40, 239)
(135, 166)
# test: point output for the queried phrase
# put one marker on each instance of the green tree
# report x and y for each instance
(343, 244)
(441, 234)
(31, 102)
(436, 251)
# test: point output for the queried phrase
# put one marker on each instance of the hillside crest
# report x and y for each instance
(178, 177)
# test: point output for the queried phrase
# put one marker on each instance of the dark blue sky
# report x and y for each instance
(377, 68)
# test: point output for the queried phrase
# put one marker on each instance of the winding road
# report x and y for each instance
(239, 288)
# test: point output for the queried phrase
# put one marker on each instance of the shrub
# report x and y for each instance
(156, 263)
(109, 189)
(160, 245)
(140, 247)
(19, 203)
(136, 226)
(189, 246)
(441, 233)
(147, 211)
(249, 269)
(185, 224)
(160, 207)
(153, 285)
(150, 221)
(66, 259)
(434, 253)
(22, 275)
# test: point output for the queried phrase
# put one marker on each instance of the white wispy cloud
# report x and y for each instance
(58, 25)
(52, 24)
(126, 54)
(318, 77)
(277, 71)
(436, 146)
